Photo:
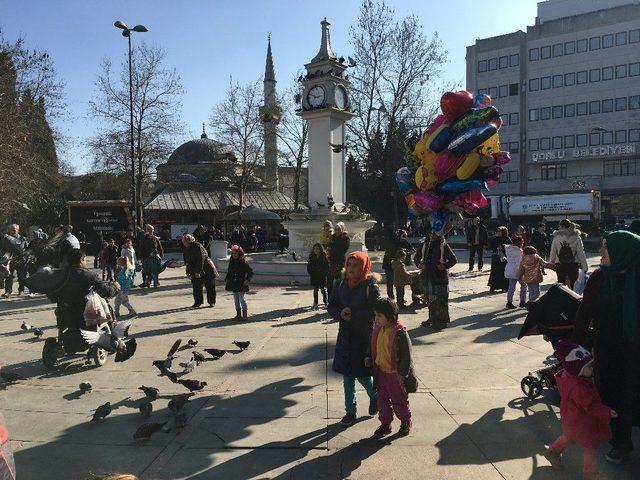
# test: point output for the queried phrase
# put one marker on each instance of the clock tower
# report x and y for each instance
(326, 107)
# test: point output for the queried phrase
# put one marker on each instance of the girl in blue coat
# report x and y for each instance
(351, 304)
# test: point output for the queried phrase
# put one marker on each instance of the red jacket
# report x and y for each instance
(585, 420)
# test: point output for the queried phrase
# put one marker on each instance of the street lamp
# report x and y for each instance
(126, 32)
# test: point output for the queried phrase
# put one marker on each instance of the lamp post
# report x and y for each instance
(137, 215)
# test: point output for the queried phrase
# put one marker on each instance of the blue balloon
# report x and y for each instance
(460, 186)
(481, 100)
(404, 180)
(439, 219)
(471, 138)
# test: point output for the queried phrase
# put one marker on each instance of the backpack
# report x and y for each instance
(565, 254)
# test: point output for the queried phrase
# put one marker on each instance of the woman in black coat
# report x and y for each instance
(337, 250)
(318, 270)
(201, 270)
(497, 280)
(237, 280)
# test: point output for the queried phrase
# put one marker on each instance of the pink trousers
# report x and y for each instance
(392, 397)
(589, 454)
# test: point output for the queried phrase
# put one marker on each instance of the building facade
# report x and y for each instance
(568, 90)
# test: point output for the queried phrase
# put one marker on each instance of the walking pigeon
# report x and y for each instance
(192, 385)
(102, 411)
(150, 392)
(242, 345)
(145, 430)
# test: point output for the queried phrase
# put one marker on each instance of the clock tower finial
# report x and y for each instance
(325, 52)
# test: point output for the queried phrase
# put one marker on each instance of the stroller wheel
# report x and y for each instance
(100, 356)
(50, 352)
(531, 386)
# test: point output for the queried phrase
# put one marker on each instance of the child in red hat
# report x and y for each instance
(585, 420)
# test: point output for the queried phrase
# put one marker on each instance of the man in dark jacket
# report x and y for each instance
(391, 247)
(13, 245)
(149, 244)
(477, 240)
(540, 240)
(200, 270)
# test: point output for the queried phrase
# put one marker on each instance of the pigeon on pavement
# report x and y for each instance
(176, 404)
(197, 356)
(242, 345)
(150, 392)
(188, 366)
(172, 353)
(146, 408)
(192, 385)
(130, 346)
(214, 352)
(145, 430)
(192, 342)
(102, 411)
(38, 332)
(159, 364)
(111, 338)
(85, 387)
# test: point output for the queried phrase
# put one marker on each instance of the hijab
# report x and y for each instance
(621, 276)
(364, 262)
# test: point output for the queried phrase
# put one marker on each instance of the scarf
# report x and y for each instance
(624, 252)
(364, 262)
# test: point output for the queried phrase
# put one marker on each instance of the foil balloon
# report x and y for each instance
(471, 138)
(460, 186)
(438, 219)
(454, 104)
(502, 158)
(481, 100)
(439, 120)
(446, 165)
(469, 166)
(492, 145)
(426, 201)
(404, 179)
(426, 178)
(475, 117)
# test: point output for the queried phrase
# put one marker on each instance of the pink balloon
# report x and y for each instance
(492, 182)
(426, 201)
(502, 157)
(433, 126)
(446, 165)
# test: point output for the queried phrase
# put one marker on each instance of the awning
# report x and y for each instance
(219, 200)
(253, 213)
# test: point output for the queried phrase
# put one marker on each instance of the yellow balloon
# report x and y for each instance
(426, 179)
(492, 145)
(422, 147)
(469, 166)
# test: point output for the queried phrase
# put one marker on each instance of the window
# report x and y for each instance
(634, 36)
(514, 147)
(493, 64)
(534, 54)
(545, 83)
(594, 139)
(514, 60)
(634, 69)
(581, 108)
(570, 110)
(621, 71)
(503, 91)
(634, 102)
(556, 111)
(569, 141)
(557, 50)
(569, 79)
(607, 138)
(607, 73)
(621, 104)
(607, 105)
(482, 66)
(622, 167)
(581, 140)
(513, 89)
(545, 143)
(594, 107)
(504, 146)
(582, 45)
(581, 77)
(594, 75)
(634, 135)
(621, 38)
(569, 48)
(534, 84)
(553, 172)
(533, 115)
(621, 136)
(557, 81)
(513, 176)
(545, 113)
(594, 43)
(545, 52)
(557, 143)
(514, 118)
(607, 41)
(534, 144)
(493, 92)
(503, 62)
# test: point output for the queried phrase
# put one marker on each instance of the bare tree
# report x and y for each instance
(236, 121)
(157, 103)
(293, 135)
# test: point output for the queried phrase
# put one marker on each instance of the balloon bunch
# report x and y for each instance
(455, 159)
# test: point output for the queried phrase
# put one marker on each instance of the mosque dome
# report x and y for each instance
(201, 150)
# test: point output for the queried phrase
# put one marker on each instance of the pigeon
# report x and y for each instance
(108, 337)
(188, 366)
(197, 356)
(352, 62)
(145, 430)
(341, 60)
(320, 205)
(192, 342)
(242, 345)
(102, 411)
(300, 78)
(10, 377)
(192, 385)
(215, 353)
(172, 353)
(146, 408)
(337, 147)
(176, 404)
(159, 364)
(127, 352)
(85, 387)
(150, 392)
(38, 332)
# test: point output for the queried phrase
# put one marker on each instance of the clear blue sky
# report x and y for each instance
(207, 40)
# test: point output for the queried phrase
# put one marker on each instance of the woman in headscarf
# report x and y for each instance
(351, 304)
(611, 308)
(497, 280)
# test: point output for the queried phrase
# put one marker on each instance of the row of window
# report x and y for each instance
(511, 147)
(583, 45)
(584, 76)
(500, 91)
(592, 107)
(612, 168)
(510, 177)
(499, 62)
(592, 139)
(553, 171)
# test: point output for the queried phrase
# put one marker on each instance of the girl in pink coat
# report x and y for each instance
(585, 420)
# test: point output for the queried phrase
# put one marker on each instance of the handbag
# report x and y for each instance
(410, 382)
(213, 267)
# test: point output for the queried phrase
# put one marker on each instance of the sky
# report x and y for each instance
(209, 40)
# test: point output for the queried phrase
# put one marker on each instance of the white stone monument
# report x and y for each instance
(326, 107)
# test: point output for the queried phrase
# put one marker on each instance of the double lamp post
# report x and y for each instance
(136, 217)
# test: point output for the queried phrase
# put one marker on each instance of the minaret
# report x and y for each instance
(270, 113)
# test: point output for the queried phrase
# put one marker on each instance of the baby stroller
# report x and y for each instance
(552, 316)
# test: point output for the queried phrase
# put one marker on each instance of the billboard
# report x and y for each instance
(566, 204)
(99, 221)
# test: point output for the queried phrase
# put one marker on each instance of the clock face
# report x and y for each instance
(315, 97)
(341, 97)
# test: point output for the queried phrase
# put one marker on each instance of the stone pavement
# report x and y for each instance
(272, 411)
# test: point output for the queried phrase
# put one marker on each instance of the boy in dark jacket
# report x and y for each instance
(318, 270)
(392, 367)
